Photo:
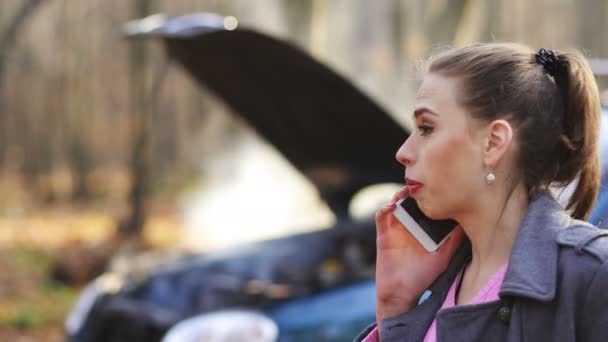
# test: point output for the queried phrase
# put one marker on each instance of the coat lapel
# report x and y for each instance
(532, 270)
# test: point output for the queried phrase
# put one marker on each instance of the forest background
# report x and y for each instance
(85, 153)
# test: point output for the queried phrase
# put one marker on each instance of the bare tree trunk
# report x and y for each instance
(472, 23)
(132, 226)
(298, 19)
(444, 22)
(318, 28)
(9, 36)
(8, 39)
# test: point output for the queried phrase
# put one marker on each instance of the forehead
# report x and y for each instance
(437, 90)
(439, 94)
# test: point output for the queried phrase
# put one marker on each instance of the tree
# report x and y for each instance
(9, 36)
(139, 110)
(8, 39)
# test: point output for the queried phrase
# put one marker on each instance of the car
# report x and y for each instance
(314, 286)
(336, 136)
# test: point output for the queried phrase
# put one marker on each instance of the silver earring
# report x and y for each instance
(490, 177)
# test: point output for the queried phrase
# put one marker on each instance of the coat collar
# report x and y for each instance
(532, 270)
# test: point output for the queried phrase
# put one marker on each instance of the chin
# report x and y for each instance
(426, 210)
(431, 211)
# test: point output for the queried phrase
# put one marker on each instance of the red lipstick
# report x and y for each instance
(414, 185)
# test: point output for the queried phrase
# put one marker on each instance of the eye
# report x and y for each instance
(425, 129)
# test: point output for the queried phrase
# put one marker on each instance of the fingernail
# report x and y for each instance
(390, 205)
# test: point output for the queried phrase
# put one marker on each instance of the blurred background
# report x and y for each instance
(103, 153)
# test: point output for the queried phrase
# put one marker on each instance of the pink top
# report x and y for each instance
(487, 294)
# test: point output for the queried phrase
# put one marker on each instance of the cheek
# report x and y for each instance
(451, 164)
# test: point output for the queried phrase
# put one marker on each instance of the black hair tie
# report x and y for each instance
(548, 59)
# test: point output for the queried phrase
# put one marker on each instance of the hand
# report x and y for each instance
(404, 269)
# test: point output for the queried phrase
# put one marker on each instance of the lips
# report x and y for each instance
(414, 185)
(410, 181)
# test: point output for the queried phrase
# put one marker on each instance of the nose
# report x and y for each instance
(405, 154)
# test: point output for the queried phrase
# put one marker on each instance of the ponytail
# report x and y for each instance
(578, 153)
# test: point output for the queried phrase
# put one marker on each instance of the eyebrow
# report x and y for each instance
(423, 110)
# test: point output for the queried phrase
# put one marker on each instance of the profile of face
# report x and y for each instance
(448, 151)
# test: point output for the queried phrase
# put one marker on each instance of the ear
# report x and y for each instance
(498, 141)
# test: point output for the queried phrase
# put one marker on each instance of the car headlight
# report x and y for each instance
(224, 326)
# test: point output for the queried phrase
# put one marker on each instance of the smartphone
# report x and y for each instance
(430, 233)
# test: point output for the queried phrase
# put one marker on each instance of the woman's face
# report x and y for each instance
(445, 150)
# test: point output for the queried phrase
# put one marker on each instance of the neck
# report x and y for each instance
(492, 230)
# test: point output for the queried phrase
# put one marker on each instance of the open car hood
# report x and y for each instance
(335, 135)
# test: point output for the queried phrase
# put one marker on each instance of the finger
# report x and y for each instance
(403, 192)
(388, 208)
(381, 216)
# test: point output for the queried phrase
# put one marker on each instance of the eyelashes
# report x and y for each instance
(425, 129)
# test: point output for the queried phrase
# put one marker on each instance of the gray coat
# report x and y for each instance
(555, 288)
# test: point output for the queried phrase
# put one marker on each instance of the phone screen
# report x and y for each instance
(437, 230)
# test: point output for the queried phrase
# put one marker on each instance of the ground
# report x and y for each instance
(32, 307)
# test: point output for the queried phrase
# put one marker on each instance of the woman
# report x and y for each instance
(497, 125)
